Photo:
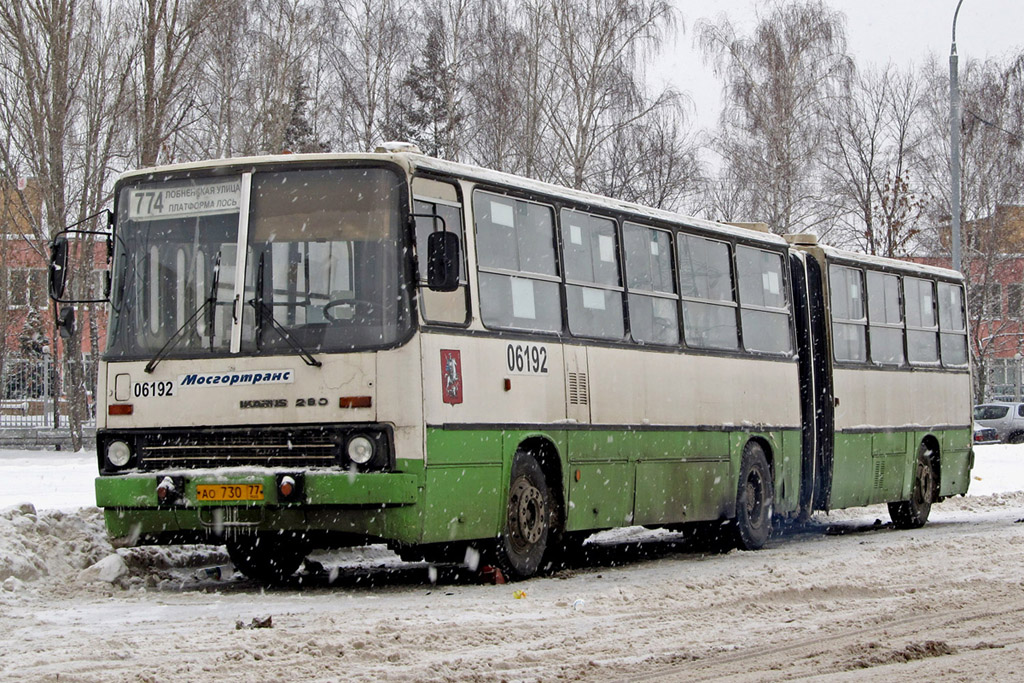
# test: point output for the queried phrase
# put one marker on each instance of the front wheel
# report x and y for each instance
(755, 499)
(267, 558)
(913, 513)
(521, 546)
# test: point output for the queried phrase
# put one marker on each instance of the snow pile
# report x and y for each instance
(49, 544)
(57, 547)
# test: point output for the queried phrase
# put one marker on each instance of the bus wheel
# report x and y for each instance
(754, 499)
(913, 513)
(524, 540)
(267, 558)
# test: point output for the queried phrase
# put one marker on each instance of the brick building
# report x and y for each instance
(27, 333)
(993, 258)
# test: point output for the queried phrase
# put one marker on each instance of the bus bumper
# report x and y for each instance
(353, 504)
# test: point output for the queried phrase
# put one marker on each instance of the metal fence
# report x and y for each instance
(26, 394)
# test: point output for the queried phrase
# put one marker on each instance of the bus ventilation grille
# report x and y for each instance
(879, 473)
(303, 447)
(579, 393)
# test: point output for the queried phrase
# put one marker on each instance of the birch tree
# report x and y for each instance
(596, 51)
(777, 82)
(871, 140)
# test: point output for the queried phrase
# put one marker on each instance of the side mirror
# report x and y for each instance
(66, 322)
(443, 261)
(58, 267)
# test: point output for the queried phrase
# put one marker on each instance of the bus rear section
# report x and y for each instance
(887, 383)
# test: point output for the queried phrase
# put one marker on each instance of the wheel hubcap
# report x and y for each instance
(527, 518)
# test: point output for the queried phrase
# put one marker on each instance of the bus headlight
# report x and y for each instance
(118, 453)
(360, 449)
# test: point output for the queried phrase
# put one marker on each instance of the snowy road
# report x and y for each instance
(840, 600)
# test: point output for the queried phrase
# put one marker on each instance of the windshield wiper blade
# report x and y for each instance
(210, 302)
(267, 314)
(211, 321)
(264, 312)
(175, 338)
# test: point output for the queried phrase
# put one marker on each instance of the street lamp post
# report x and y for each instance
(954, 144)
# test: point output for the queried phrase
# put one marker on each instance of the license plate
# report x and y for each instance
(228, 492)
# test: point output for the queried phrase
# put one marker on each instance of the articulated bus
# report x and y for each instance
(317, 351)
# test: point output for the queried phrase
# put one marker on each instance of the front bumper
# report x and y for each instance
(359, 504)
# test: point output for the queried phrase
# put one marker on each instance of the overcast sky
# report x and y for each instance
(903, 32)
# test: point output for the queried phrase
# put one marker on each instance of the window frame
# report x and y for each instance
(862, 324)
(35, 293)
(934, 330)
(785, 292)
(962, 332)
(732, 303)
(901, 326)
(481, 269)
(421, 259)
(584, 285)
(652, 293)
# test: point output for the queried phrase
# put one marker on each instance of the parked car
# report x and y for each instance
(984, 435)
(1006, 418)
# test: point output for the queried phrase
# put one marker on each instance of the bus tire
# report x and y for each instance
(913, 513)
(755, 499)
(524, 539)
(267, 558)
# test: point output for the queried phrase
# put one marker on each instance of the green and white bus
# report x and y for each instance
(316, 351)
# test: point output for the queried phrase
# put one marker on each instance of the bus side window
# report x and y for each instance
(849, 325)
(885, 319)
(593, 289)
(764, 310)
(515, 246)
(653, 307)
(440, 307)
(922, 343)
(709, 293)
(952, 325)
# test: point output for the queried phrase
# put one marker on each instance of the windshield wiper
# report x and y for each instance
(210, 302)
(264, 312)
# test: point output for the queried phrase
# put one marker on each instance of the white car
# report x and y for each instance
(1006, 418)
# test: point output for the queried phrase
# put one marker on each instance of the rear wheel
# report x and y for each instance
(755, 499)
(913, 513)
(268, 558)
(520, 549)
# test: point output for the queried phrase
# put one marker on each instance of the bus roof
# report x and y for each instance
(415, 162)
(909, 267)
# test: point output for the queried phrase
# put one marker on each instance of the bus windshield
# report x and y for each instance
(260, 264)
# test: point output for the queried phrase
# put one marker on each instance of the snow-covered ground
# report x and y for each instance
(50, 480)
(841, 599)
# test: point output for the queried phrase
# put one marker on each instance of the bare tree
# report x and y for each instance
(777, 81)
(870, 140)
(597, 45)
(224, 116)
(167, 37)
(369, 66)
(283, 34)
(654, 161)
